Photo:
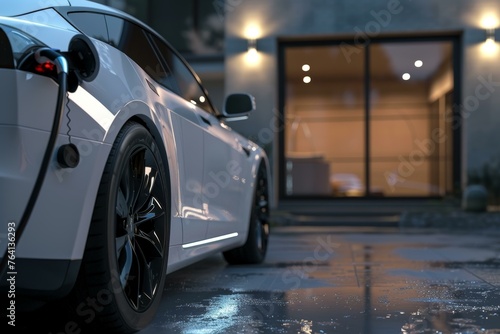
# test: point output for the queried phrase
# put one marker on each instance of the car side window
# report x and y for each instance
(132, 40)
(91, 24)
(189, 86)
(125, 36)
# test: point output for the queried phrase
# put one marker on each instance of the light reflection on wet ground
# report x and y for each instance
(318, 280)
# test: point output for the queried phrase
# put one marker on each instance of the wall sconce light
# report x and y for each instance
(490, 35)
(252, 55)
(490, 48)
(252, 45)
(251, 34)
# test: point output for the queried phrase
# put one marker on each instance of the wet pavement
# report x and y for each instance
(338, 280)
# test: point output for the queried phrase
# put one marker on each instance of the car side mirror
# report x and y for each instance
(238, 106)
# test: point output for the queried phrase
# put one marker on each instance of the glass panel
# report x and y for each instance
(136, 8)
(194, 26)
(409, 134)
(189, 87)
(91, 24)
(325, 124)
(132, 40)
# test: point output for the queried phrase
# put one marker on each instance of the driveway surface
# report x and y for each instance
(343, 280)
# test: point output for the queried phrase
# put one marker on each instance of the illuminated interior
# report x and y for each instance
(370, 122)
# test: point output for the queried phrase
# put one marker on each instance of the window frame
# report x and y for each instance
(455, 37)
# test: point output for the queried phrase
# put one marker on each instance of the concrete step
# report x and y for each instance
(365, 207)
(366, 220)
(357, 212)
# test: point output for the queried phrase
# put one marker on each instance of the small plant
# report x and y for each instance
(489, 176)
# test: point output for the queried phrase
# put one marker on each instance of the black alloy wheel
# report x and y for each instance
(124, 265)
(140, 228)
(255, 248)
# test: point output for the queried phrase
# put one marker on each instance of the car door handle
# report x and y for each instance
(246, 150)
(152, 87)
(206, 120)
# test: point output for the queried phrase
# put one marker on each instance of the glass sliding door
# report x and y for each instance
(373, 122)
(409, 83)
(325, 122)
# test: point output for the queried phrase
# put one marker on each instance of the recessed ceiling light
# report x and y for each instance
(306, 68)
(406, 76)
(307, 79)
(419, 63)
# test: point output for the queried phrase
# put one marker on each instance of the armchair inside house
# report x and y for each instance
(307, 174)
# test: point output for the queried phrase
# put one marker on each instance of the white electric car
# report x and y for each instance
(115, 168)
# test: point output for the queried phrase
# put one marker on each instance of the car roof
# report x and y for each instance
(16, 7)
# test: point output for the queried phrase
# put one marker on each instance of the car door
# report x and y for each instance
(221, 192)
(224, 178)
(189, 146)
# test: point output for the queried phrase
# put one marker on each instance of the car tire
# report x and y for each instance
(124, 266)
(255, 248)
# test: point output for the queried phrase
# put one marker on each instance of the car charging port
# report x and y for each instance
(68, 156)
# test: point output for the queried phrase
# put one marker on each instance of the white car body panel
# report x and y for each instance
(212, 169)
(30, 6)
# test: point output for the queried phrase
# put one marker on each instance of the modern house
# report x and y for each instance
(367, 99)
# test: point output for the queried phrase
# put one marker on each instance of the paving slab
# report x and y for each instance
(343, 280)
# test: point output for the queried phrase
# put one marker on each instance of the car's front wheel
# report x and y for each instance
(255, 249)
(123, 271)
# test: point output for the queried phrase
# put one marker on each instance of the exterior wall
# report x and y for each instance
(361, 20)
